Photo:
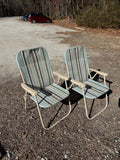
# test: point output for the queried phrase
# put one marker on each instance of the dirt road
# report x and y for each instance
(16, 35)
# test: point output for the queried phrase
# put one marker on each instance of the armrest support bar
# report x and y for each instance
(28, 89)
(61, 76)
(78, 83)
(99, 72)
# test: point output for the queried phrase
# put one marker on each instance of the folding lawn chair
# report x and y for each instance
(81, 80)
(38, 81)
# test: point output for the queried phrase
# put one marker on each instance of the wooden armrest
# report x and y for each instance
(28, 89)
(61, 76)
(99, 72)
(77, 83)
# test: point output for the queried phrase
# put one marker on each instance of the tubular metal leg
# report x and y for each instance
(25, 99)
(57, 121)
(98, 112)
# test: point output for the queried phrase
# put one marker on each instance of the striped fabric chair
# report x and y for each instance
(38, 81)
(82, 82)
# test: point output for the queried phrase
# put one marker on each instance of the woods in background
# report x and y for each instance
(90, 13)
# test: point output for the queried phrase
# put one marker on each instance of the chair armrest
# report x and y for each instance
(61, 76)
(99, 72)
(78, 83)
(28, 89)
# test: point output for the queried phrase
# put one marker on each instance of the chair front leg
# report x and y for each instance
(104, 80)
(86, 110)
(38, 108)
(25, 99)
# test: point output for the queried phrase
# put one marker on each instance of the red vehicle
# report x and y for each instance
(38, 17)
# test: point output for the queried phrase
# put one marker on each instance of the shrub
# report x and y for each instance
(97, 17)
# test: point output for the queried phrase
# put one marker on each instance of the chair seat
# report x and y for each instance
(50, 95)
(92, 90)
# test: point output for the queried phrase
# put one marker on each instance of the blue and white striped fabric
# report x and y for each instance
(92, 90)
(34, 64)
(51, 95)
(35, 67)
(76, 62)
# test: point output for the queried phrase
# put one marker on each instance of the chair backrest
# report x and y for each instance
(76, 62)
(35, 67)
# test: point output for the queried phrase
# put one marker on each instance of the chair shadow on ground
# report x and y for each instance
(2, 151)
(74, 98)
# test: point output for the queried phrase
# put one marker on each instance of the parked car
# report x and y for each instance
(25, 17)
(39, 17)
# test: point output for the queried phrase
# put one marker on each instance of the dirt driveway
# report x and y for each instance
(76, 138)
(16, 35)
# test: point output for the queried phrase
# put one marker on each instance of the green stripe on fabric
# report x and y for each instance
(46, 65)
(85, 69)
(96, 85)
(87, 92)
(27, 69)
(39, 69)
(93, 91)
(56, 95)
(43, 99)
(70, 53)
(49, 98)
(81, 79)
(30, 63)
(59, 91)
(98, 90)
(76, 55)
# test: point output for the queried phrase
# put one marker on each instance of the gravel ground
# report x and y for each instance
(75, 138)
